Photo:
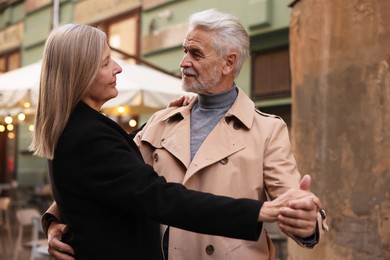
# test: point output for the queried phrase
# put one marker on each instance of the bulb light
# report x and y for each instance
(120, 109)
(8, 120)
(132, 122)
(10, 127)
(21, 117)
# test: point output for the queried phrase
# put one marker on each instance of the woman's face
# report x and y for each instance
(103, 87)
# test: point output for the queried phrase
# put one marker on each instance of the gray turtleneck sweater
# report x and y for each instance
(207, 112)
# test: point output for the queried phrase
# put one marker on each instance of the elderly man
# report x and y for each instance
(221, 143)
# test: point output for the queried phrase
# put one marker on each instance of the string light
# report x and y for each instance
(2, 128)
(10, 127)
(120, 109)
(31, 128)
(132, 122)
(8, 120)
(21, 116)
(11, 135)
(26, 104)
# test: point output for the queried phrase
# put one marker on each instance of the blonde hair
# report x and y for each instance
(71, 60)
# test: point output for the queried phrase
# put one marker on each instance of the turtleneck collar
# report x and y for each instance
(218, 100)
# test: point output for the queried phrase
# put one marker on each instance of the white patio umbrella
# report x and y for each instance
(19, 86)
(141, 89)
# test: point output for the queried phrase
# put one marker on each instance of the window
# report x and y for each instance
(123, 34)
(9, 61)
(271, 74)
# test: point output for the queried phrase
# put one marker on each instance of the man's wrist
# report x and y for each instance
(310, 241)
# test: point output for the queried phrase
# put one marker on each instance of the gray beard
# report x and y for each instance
(200, 86)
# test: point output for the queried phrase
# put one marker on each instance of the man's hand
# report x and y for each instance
(181, 102)
(270, 210)
(299, 218)
(57, 249)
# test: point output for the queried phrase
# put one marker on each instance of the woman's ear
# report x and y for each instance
(230, 63)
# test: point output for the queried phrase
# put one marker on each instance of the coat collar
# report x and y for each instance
(172, 131)
(243, 109)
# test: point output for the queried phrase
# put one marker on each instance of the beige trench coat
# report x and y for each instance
(246, 154)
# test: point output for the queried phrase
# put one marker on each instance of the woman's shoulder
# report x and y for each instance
(88, 125)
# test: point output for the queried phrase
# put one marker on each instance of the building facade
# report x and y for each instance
(153, 31)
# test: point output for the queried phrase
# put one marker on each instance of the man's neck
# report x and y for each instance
(217, 100)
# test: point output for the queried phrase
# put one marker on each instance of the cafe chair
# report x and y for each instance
(5, 223)
(29, 219)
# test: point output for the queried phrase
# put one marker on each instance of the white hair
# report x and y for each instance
(230, 34)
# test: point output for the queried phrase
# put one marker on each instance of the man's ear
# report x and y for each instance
(230, 63)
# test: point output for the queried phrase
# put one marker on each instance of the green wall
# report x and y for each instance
(266, 21)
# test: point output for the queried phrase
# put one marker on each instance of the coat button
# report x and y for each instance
(224, 161)
(209, 249)
(155, 157)
(237, 125)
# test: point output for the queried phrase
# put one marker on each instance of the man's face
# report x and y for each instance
(201, 66)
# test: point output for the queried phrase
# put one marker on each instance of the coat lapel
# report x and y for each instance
(177, 142)
(171, 133)
(218, 145)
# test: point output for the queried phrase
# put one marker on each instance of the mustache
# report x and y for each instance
(189, 72)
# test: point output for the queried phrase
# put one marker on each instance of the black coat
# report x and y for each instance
(113, 202)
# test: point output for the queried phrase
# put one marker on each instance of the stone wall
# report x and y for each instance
(340, 58)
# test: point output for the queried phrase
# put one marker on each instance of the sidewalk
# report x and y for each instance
(7, 252)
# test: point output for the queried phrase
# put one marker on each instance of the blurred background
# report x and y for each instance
(323, 66)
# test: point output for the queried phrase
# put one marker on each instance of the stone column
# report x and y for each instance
(340, 58)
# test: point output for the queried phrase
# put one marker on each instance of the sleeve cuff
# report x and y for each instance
(311, 241)
(47, 218)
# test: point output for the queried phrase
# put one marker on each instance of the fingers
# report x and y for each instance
(56, 230)
(290, 215)
(289, 196)
(182, 101)
(60, 256)
(299, 218)
(303, 231)
(60, 250)
(301, 223)
(305, 183)
(309, 202)
(268, 212)
(177, 102)
(188, 100)
(293, 197)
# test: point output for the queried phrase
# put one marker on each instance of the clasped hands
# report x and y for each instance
(295, 211)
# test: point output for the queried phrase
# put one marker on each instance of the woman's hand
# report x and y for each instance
(270, 210)
(181, 102)
(299, 218)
